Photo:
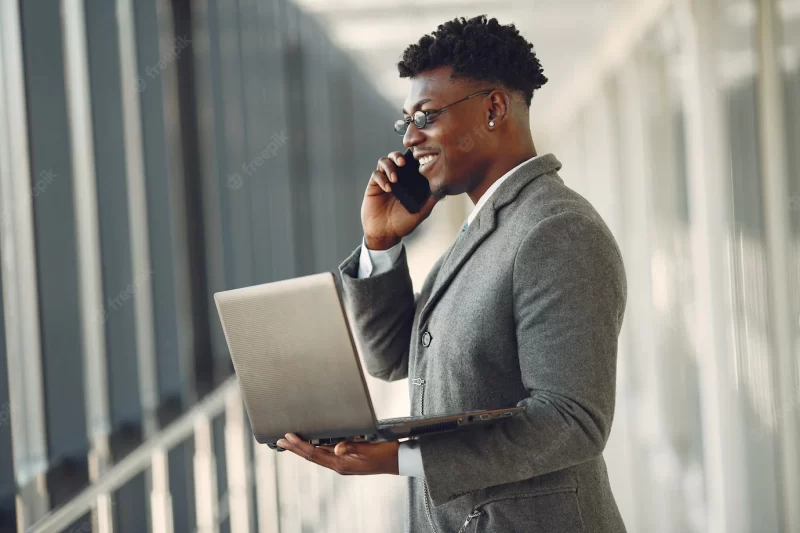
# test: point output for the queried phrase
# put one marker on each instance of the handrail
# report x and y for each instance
(138, 460)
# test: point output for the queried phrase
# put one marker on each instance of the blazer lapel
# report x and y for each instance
(483, 226)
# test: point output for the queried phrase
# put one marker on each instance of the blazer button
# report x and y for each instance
(426, 339)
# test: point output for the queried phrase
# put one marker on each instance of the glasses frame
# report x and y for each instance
(420, 117)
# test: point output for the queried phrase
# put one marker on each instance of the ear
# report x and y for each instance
(498, 107)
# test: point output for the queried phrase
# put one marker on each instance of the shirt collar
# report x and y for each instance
(485, 197)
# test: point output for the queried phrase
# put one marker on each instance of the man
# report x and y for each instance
(524, 308)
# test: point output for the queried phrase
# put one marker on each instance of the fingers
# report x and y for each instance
(315, 454)
(386, 172)
(343, 448)
(327, 448)
(379, 178)
(340, 449)
(398, 159)
(347, 458)
(388, 167)
(390, 163)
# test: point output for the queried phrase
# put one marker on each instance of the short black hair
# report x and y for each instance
(478, 49)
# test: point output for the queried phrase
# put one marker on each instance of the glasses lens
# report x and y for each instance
(400, 126)
(420, 119)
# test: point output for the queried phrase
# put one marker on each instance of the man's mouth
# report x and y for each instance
(427, 159)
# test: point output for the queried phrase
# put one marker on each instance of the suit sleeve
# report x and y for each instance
(568, 293)
(381, 311)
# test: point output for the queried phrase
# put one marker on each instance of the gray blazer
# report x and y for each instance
(523, 309)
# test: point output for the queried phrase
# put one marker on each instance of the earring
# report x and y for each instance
(491, 123)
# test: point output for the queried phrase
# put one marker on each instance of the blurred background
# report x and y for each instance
(153, 152)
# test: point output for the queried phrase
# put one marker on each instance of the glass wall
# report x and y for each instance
(754, 357)
(789, 50)
(175, 149)
(788, 414)
(700, 436)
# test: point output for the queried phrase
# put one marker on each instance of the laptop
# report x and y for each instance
(299, 371)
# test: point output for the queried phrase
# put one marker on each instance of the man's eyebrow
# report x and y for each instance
(418, 104)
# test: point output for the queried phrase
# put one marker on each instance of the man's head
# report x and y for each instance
(460, 58)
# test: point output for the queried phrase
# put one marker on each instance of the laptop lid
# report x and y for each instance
(295, 359)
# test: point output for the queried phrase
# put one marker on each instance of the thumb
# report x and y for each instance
(343, 448)
(349, 448)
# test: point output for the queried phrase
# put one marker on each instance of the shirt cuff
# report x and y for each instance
(375, 262)
(409, 459)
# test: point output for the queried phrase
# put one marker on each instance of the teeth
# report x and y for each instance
(427, 159)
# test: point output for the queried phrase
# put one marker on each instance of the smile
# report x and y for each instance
(427, 159)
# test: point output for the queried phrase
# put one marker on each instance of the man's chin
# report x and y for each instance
(439, 190)
(439, 194)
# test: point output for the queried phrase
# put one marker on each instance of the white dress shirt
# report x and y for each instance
(375, 262)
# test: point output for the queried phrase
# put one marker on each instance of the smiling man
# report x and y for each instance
(524, 308)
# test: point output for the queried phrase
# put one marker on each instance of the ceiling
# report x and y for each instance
(564, 33)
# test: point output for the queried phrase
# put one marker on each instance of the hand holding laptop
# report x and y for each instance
(347, 458)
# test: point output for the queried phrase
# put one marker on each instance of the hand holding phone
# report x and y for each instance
(396, 201)
(411, 187)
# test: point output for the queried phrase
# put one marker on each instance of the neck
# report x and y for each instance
(498, 168)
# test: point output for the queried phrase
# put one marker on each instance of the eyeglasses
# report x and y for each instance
(420, 117)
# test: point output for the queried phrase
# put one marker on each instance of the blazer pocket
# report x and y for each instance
(553, 510)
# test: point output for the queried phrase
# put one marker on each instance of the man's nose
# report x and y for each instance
(412, 136)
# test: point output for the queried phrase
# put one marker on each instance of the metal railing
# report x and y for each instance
(291, 494)
(152, 456)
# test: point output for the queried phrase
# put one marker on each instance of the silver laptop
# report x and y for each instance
(299, 370)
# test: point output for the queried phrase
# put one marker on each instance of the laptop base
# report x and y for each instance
(413, 426)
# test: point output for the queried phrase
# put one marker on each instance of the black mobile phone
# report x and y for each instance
(411, 188)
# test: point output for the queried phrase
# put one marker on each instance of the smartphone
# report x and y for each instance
(411, 188)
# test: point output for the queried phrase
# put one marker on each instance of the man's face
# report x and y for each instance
(457, 135)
